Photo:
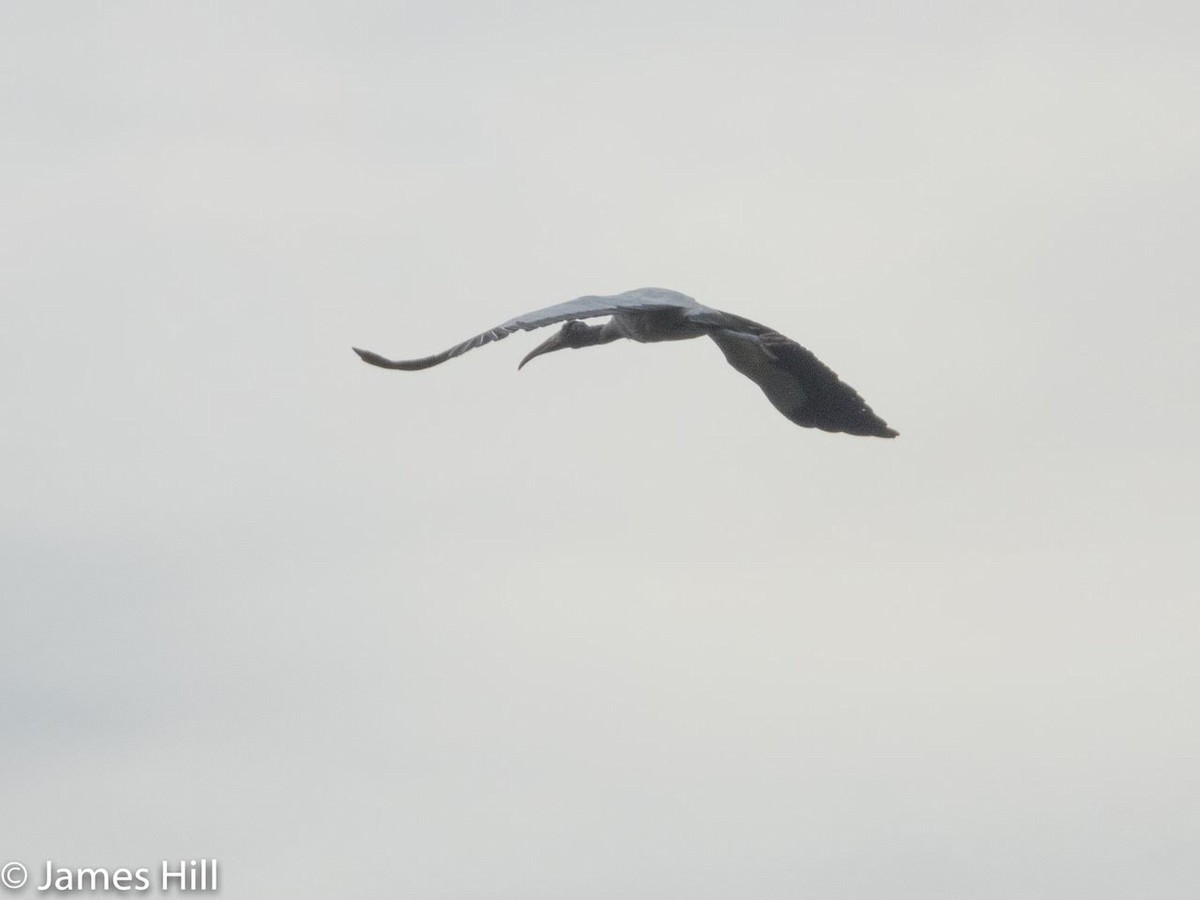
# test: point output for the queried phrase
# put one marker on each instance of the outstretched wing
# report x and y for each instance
(579, 308)
(798, 384)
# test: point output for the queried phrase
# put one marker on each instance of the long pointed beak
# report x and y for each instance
(555, 342)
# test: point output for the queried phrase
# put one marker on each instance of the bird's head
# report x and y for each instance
(573, 334)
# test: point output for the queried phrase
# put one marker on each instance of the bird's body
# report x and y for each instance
(798, 384)
(653, 325)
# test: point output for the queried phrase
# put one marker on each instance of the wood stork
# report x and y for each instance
(798, 384)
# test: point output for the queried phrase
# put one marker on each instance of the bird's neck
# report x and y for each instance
(607, 333)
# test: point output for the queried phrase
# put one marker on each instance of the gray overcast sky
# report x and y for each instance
(611, 627)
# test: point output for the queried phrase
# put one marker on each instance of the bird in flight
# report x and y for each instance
(798, 384)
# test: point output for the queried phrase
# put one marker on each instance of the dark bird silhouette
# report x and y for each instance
(798, 384)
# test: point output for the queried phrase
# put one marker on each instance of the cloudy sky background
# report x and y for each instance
(611, 627)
